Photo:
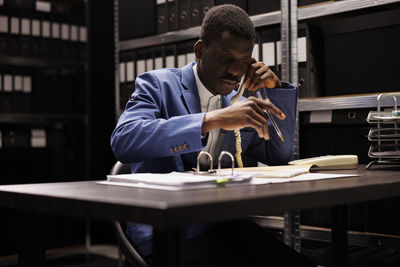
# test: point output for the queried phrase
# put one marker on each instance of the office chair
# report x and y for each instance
(127, 249)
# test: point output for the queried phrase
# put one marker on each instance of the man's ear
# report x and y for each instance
(198, 49)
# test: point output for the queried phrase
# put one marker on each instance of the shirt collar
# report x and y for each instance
(204, 94)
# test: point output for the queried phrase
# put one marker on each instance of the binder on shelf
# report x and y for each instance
(149, 64)
(190, 57)
(184, 13)
(55, 30)
(25, 26)
(14, 25)
(172, 15)
(162, 16)
(256, 52)
(36, 28)
(45, 29)
(136, 18)
(241, 3)
(16, 138)
(25, 37)
(43, 6)
(205, 6)
(158, 63)
(74, 33)
(181, 60)
(18, 83)
(195, 13)
(255, 7)
(38, 138)
(130, 71)
(268, 54)
(27, 84)
(26, 4)
(170, 61)
(82, 34)
(140, 66)
(65, 32)
(3, 24)
(7, 85)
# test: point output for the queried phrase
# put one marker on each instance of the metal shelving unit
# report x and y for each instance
(341, 102)
(304, 13)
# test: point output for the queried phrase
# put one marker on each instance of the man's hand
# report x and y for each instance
(246, 113)
(259, 75)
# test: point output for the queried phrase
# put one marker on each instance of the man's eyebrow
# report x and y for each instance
(224, 50)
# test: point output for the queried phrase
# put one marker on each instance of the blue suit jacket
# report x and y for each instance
(160, 129)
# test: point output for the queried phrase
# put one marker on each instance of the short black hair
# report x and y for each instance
(228, 18)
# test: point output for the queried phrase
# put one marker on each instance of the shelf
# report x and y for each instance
(39, 62)
(308, 12)
(332, 8)
(191, 33)
(343, 102)
(28, 118)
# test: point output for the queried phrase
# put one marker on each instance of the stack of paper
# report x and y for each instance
(178, 180)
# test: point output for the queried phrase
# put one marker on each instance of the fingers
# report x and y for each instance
(268, 105)
(260, 75)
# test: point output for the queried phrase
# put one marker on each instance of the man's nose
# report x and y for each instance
(235, 69)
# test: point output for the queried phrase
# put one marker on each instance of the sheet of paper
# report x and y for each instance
(285, 171)
(301, 177)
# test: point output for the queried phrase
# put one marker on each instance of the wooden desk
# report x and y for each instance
(170, 212)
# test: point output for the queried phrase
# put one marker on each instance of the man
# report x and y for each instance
(168, 120)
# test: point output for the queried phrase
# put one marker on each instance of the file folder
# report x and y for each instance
(36, 28)
(172, 15)
(14, 29)
(43, 6)
(140, 66)
(158, 63)
(256, 7)
(183, 13)
(3, 24)
(195, 16)
(45, 29)
(240, 3)
(136, 18)
(268, 53)
(38, 138)
(162, 16)
(205, 6)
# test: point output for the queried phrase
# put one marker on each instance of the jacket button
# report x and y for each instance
(185, 146)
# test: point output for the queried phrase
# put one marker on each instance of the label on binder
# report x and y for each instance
(43, 6)
(4, 24)
(35, 27)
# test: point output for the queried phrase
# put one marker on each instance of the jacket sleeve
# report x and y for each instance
(274, 151)
(145, 131)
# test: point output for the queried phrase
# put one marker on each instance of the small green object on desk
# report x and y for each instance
(221, 181)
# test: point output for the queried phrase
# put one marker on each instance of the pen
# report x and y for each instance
(271, 118)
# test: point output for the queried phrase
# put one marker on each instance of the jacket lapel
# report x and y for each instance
(190, 92)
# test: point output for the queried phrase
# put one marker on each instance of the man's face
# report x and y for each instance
(223, 62)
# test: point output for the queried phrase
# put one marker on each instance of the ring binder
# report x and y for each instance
(211, 170)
